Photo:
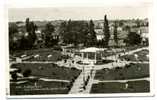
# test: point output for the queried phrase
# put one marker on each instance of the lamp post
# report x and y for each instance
(83, 74)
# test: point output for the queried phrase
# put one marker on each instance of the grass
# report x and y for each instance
(142, 56)
(41, 87)
(116, 87)
(32, 52)
(131, 71)
(41, 70)
(129, 48)
(43, 57)
(43, 54)
(49, 70)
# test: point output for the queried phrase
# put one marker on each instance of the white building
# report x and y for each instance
(99, 34)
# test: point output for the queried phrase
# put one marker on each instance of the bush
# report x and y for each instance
(27, 73)
(73, 68)
(58, 48)
(65, 57)
(118, 68)
(14, 76)
(128, 66)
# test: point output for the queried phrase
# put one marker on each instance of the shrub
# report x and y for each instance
(128, 66)
(14, 76)
(27, 73)
(58, 48)
(19, 70)
(73, 68)
(118, 68)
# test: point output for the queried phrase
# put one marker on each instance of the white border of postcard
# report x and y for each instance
(86, 3)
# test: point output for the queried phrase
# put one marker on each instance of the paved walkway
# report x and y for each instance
(122, 81)
(77, 85)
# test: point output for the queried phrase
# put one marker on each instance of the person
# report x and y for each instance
(73, 61)
(65, 61)
(91, 72)
(124, 51)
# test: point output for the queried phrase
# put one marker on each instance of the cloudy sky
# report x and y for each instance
(78, 13)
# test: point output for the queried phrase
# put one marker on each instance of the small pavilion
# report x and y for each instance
(90, 50)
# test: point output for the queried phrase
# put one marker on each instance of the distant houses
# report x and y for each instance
(144, 32)
(122, 32)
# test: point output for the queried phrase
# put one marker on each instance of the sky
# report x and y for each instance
(78, 13)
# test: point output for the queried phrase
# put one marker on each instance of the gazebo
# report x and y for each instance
(91, 50)
(89, 61)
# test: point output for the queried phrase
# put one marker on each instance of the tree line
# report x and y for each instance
(70, 32)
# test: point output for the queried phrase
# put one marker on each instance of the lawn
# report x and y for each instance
(32, 52)
(48, 70)
(56, 56)
(42, 55)
(41, 87)
(142, 56)
(129, 48)
(130, 71)
(41, 70)
(117, 87)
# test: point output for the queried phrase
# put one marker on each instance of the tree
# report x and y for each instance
(74, 32)
(31, 38)
(49, 30)
(32, 30)
(121, 23)
(62, 31)
(92, 34)
(13, 29)
(27, 25)
(106, 31)
(138, 23)
(115, 33)
(133, 39)
(127, 28)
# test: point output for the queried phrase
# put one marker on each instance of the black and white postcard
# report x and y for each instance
(79, 51)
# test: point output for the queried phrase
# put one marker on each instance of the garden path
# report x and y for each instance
(122, 81)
